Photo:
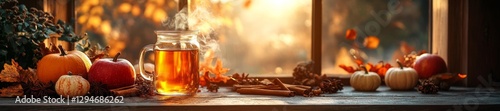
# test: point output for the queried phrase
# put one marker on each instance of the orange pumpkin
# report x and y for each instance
(53, 66)
(84, 57)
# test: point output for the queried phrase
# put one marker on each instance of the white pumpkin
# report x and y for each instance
(365, 81)
(401, 78)
(72, 85)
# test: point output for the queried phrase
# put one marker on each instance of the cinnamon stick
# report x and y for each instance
(237, 86)
(256, 91)
(279, 83)
(126, 91)
(299, 90)
(273, 87)
(300, 86)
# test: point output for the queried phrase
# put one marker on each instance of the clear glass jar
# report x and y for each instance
(176, 63)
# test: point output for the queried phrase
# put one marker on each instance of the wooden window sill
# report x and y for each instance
(347, 99)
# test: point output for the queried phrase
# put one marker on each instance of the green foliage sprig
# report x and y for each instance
(23, 31)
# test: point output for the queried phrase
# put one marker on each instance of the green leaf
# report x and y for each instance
(66, 38)
(3, 53)
(22, 8)
(49, 31)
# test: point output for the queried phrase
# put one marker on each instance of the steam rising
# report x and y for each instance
(200, 19)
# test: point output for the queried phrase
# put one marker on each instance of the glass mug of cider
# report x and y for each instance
(176, 63)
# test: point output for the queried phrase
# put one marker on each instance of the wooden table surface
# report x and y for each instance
(348, 99)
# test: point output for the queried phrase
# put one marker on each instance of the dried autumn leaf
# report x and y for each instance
(12, 91)
(247, 3)
(381, 71)
(27, 75)
(369, 67)
(218, 70)
(350, 34)
(349, 69)
(371, 42)
(387, 65)
(9, 73)
(379, 65)
(359, 62)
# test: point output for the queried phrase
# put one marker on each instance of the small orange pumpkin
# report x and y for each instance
(53, 66)
(72, 85)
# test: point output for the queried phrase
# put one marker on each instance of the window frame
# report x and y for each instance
(316, 37)
(441, 30)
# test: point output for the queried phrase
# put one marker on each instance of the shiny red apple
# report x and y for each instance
(427, 65)
(113, 72)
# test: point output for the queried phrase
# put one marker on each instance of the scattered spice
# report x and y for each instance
(39, 89)
(331, 85)
(213, 87)
(99, 89)
(244, 79)
(145, 87)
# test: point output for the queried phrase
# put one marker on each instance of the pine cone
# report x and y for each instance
(302, 73)
(427, 87)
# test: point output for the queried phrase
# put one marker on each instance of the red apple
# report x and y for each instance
(427, 65)
(113, 72)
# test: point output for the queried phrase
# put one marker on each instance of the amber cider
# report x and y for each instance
(176, 72)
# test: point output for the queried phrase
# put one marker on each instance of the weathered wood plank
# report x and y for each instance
(348, 99)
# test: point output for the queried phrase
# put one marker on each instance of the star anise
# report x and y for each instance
(99, 89)
(39, 89)
(331, 85)
(213, 87)
(243, 79)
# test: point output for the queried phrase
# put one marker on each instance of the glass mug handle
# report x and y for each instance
(143, 72)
